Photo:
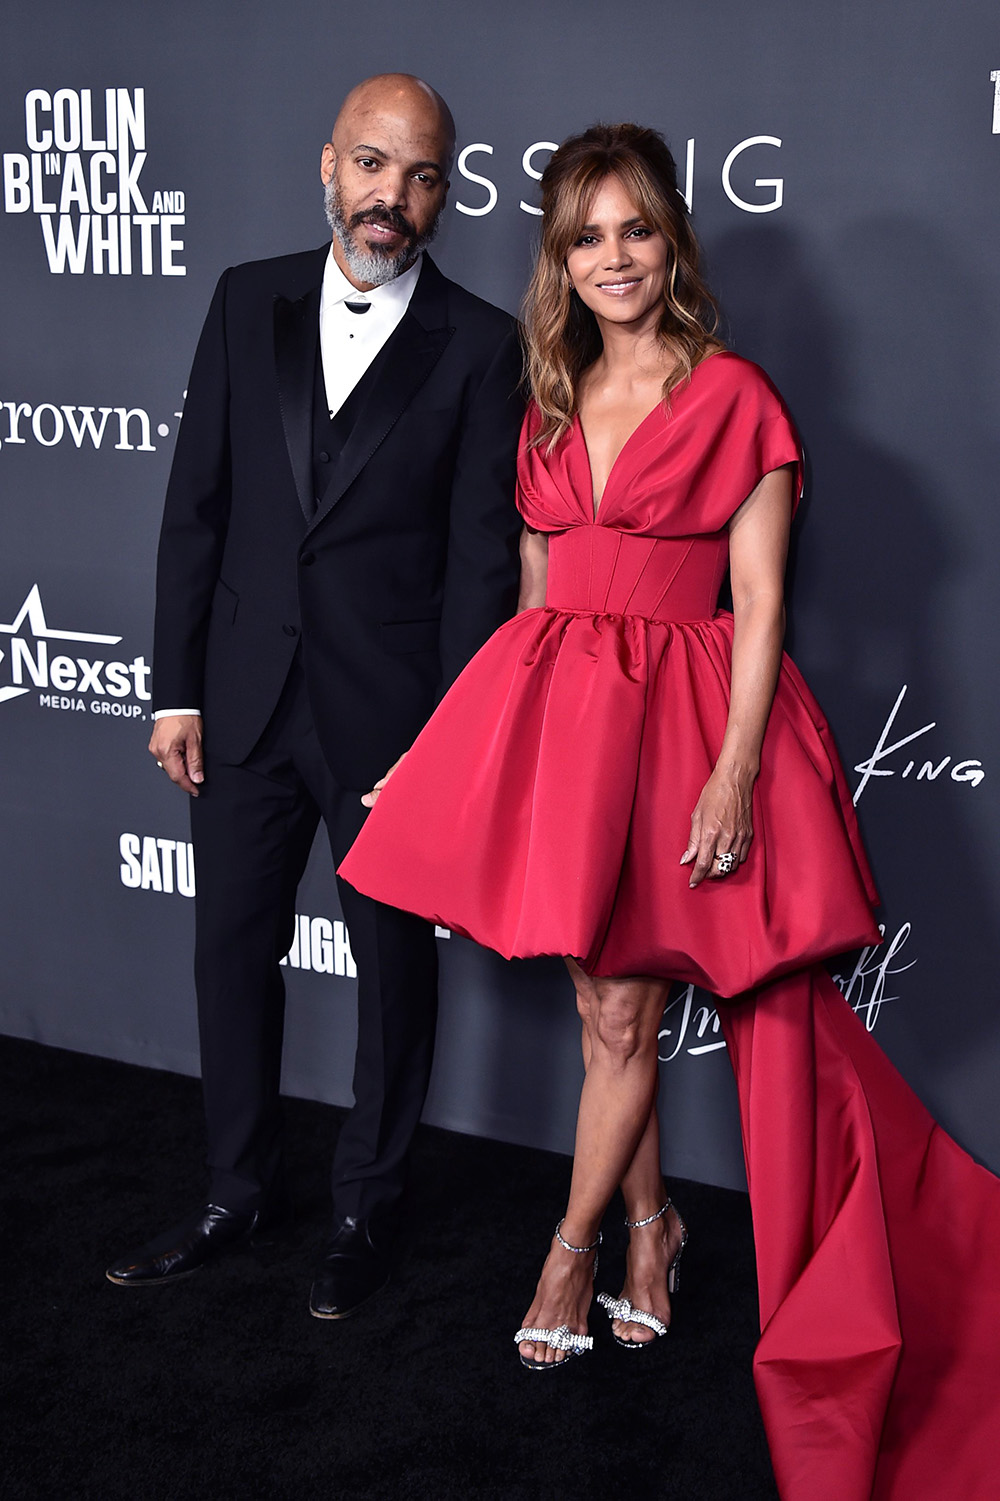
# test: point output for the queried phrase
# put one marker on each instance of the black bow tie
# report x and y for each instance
(357, 307)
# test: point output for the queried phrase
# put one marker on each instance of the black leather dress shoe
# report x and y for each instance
(185, 1248)
(351, 1271)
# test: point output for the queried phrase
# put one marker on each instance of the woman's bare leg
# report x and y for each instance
(621, 1018)
(653, 1247)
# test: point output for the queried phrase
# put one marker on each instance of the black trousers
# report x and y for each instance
(252, 827)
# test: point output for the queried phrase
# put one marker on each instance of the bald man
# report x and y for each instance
(339, 537)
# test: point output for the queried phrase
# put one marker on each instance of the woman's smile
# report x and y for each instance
(620, 287)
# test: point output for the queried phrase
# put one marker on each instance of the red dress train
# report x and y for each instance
(543, 810)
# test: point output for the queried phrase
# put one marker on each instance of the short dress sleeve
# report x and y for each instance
(538, 502)
(739, 422)
(776, 444)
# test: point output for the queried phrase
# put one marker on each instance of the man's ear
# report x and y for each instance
(327, 163)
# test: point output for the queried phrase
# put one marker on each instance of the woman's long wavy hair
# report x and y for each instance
(561, 334)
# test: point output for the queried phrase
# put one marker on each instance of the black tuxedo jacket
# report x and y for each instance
(410, 560)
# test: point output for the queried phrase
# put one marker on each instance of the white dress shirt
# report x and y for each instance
(349, 342)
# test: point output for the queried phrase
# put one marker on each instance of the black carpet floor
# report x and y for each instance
(223, 1387)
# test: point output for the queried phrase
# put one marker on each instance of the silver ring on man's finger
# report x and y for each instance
(726, 863)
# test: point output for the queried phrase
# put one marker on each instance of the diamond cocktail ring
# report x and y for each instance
(726, 863)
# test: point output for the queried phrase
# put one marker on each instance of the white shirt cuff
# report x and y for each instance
(166, 713)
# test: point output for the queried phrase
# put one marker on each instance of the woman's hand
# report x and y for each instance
(722, 823)
(371, 798)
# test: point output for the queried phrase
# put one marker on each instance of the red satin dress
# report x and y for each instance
(544, 809)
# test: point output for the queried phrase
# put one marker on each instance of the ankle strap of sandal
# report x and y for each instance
(649, 1220)
(577, 1250)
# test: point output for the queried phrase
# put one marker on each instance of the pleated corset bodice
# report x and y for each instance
(621, 573)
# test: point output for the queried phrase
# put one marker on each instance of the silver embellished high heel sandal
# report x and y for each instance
(561, 1338)
(621, 1308)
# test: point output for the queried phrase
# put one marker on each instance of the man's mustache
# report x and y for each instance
(390, 217)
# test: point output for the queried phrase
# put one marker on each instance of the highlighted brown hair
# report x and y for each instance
(561, 334)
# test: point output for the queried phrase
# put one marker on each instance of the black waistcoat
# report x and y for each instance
(331, 433)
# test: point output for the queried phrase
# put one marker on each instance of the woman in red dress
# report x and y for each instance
(629, 777)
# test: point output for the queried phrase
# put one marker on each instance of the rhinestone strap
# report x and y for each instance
(556, 1339)
(638, 1224)
(621, 1308)
(580, 1250)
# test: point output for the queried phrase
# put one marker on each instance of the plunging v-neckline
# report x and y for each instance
(597, 502)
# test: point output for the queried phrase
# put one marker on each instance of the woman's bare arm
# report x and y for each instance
(758, 548)
(534, 569)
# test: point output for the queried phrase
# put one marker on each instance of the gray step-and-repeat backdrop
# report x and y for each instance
(842, 163)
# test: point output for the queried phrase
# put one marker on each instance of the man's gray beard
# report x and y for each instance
(376, 267)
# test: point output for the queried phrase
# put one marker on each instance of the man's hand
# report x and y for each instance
(176, 744)
(371, 798)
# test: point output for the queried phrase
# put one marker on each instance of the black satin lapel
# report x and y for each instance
(296, 340)
(410, 357)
